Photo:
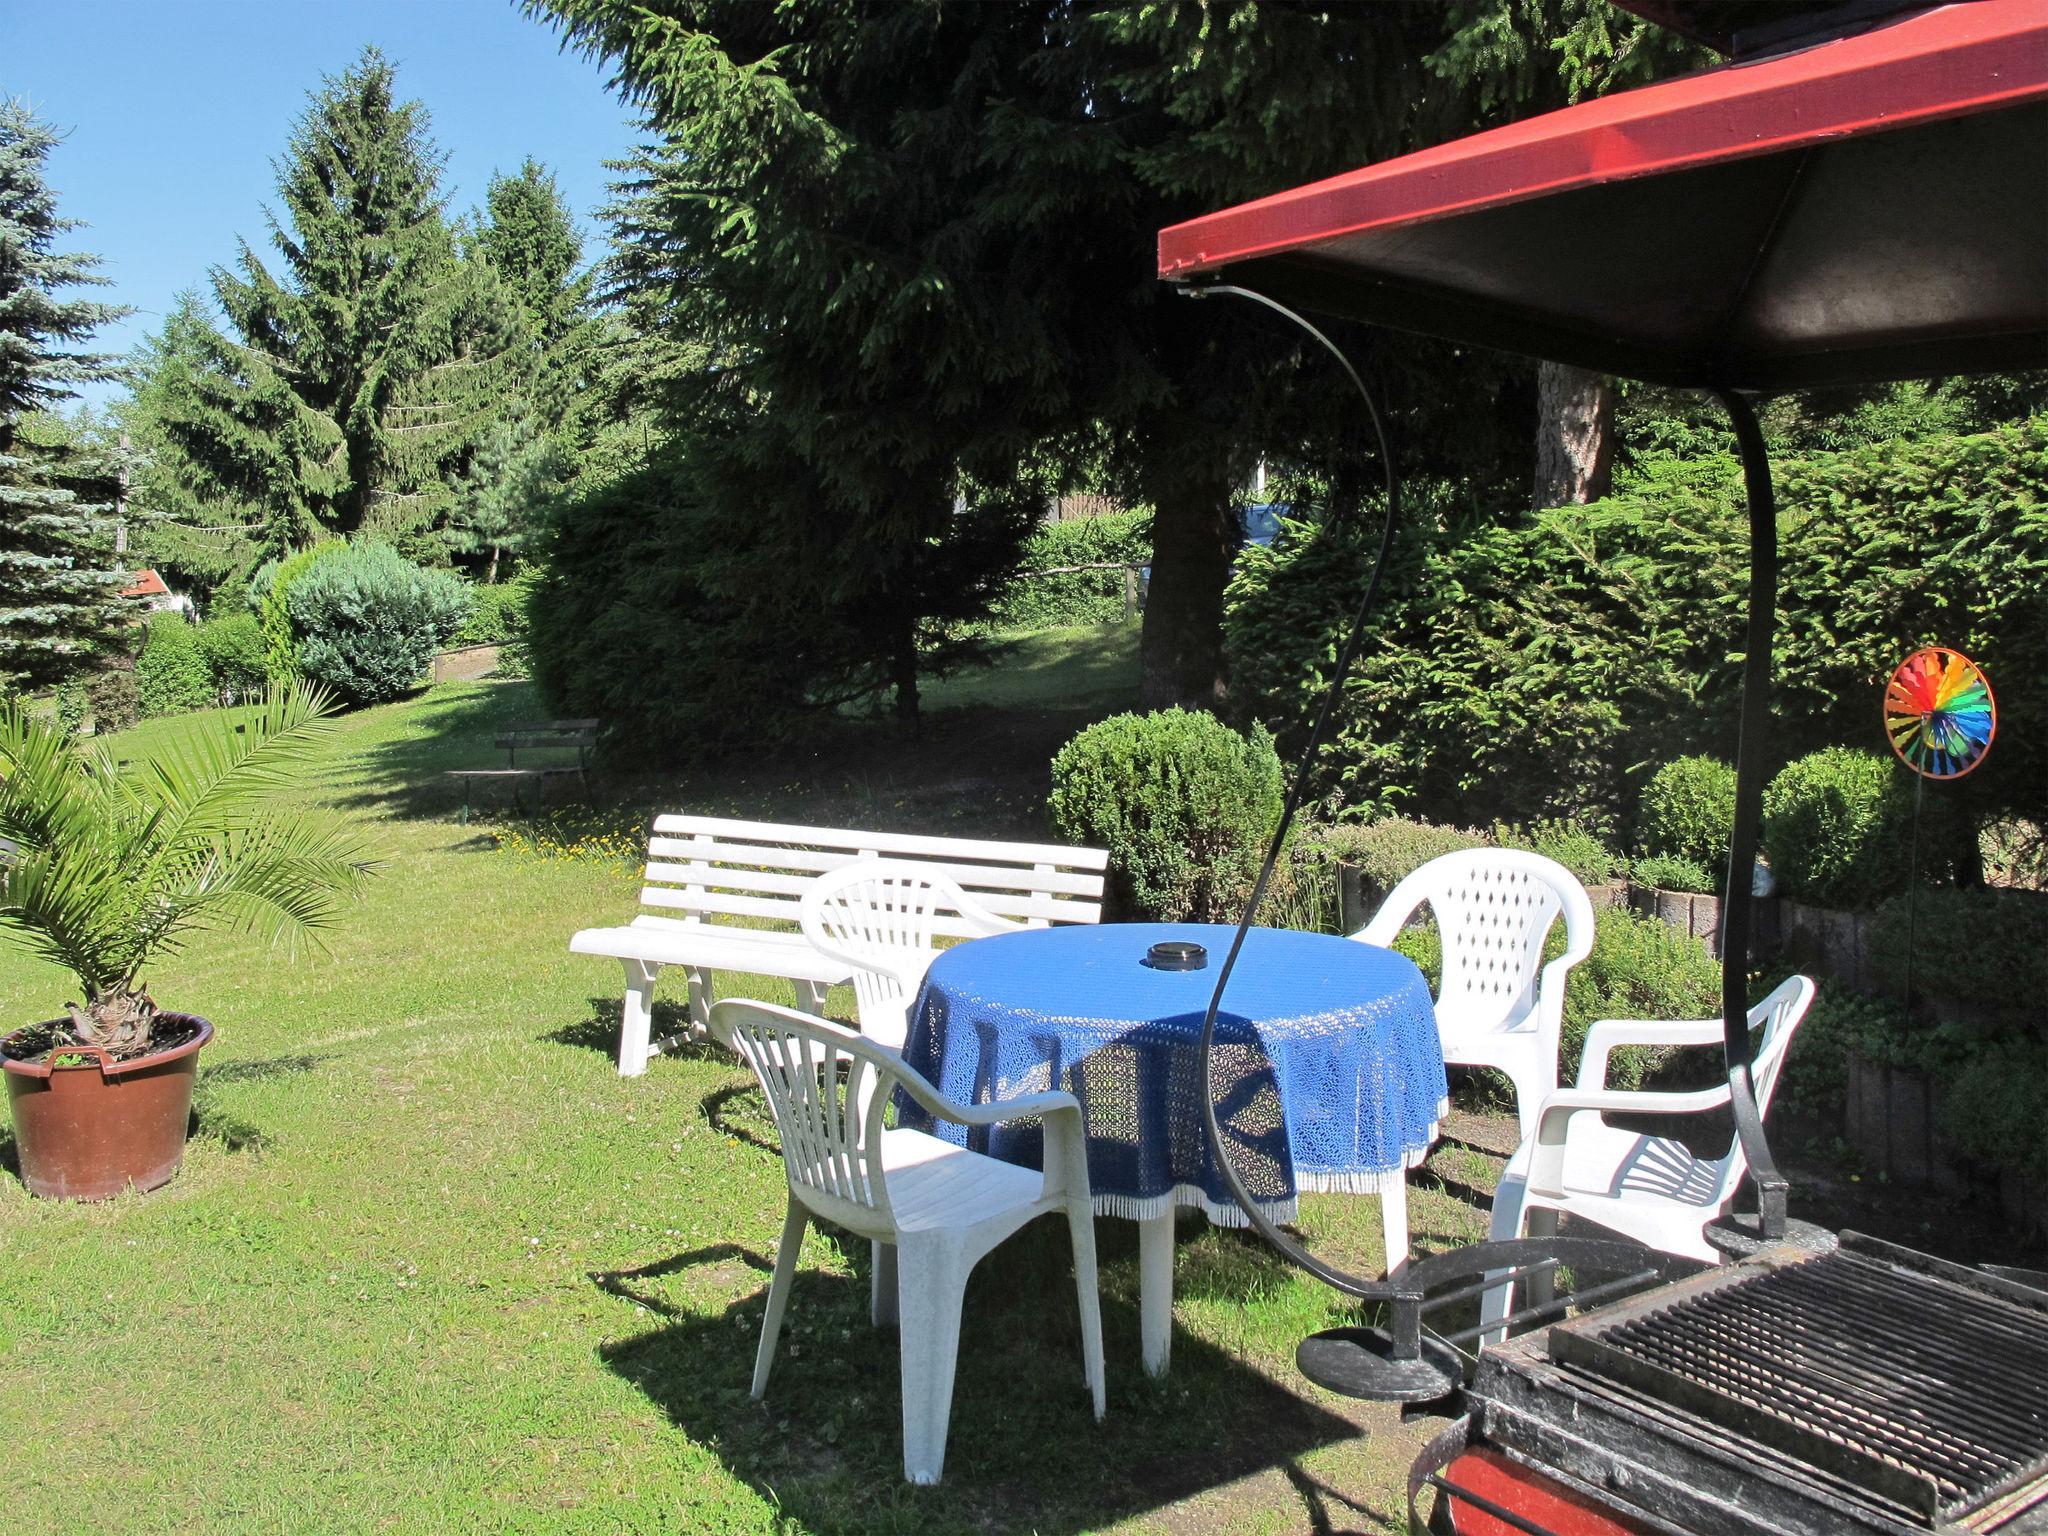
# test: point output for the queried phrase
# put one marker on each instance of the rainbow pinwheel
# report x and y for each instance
(1939, 713)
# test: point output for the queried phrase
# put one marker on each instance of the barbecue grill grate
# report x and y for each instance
(1922, 1381)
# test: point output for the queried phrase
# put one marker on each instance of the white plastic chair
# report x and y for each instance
(932, 1209)
(878, 917)
(1649, 1188)
(1497, 1004)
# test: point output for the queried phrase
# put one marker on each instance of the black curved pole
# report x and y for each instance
(1379, 1289)
(1738, 900)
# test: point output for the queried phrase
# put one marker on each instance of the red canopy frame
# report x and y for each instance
(1866, 208)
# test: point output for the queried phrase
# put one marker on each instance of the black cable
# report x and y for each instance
(1379, 1289)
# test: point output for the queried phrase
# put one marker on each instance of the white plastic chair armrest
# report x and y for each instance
(1386, 924)
(1553, 1121)
(1604, 1035)
(979, 917)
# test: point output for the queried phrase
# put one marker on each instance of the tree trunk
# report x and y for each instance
(903, 673)
(1194, 535)
(491, 574)
(1574, 435)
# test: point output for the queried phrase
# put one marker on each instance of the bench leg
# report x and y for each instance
(810, 997)
(636, 1025)
(700, 1004)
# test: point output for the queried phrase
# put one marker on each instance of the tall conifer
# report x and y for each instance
(348, 385)
(58, 577)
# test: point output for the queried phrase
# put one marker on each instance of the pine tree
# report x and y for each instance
(345, 390)
(58, 578)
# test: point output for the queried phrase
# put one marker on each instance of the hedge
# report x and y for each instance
(171, 675)
(1540, 663)
(1082, 597)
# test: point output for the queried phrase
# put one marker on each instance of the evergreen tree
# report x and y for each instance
(58, 577)
(919, 239)
(346, 389)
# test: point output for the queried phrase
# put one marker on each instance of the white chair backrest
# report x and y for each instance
(1494, 908)
(827, 1089)
(882, 915)
(1780, 1016)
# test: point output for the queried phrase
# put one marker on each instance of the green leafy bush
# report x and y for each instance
(235, 651)
(171, 674)
(1033, 601)
(368, 620)
(1640, 968)
(1836, 826)
(1387, 851)
(114, 700)
(1991, 1109)
(280, 640)
(72, 707)
(1183, 803)
(1688, 812)
(1665, 872)
(1986, 949)
(1590, 860)
(497, 613)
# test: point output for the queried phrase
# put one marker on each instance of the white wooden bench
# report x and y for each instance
(703, 868)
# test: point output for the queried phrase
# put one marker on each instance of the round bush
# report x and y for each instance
(368, 621)
(1688, 812)
(1183, 803)
(171, 675)
(234, 650)
(1836, 825)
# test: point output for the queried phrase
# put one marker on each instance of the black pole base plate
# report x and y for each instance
(1739, 1235)
(1359, 1362)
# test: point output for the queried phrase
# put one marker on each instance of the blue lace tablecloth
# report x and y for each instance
(1328, 1072)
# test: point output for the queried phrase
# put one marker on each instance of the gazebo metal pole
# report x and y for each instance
(1738, 899)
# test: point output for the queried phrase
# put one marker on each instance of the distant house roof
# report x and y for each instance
(146, 584)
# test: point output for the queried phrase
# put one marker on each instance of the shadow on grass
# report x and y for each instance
(600, 1032)
(406, 776)
(259, 1071)
(1024, 1451)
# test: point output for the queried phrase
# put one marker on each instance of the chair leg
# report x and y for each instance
(700, 1003)
(1081, 1227)
(778, 1291)
(1394, 1224)
(1532, 1086)
(1498, 1300)
(882, 1309)
(636, 1024)
(931, 1285)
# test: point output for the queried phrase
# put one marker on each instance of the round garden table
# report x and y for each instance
(1327, 1069)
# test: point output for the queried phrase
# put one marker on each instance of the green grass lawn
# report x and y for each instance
(432, 1265)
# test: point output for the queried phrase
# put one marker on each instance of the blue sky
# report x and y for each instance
(174, 109)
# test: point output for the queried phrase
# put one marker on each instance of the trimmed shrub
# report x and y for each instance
(1836, 828)
(1387, 851)
(72, 707)
(368, 620)
(1639, 969)
(497, 613)
(1668, 873)
(1183, 803)
(235, 654)
(1031, 601)
(1687, 812)
(171, 676)
(280, 640)
(115, 701)
(1591, 861)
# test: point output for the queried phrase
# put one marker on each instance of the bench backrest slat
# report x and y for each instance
(702, 866)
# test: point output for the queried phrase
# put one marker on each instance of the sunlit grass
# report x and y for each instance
(432, 1265)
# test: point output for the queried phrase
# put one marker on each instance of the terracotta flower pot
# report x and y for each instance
(87, 1132)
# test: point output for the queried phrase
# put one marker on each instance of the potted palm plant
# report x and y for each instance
(107, 867)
